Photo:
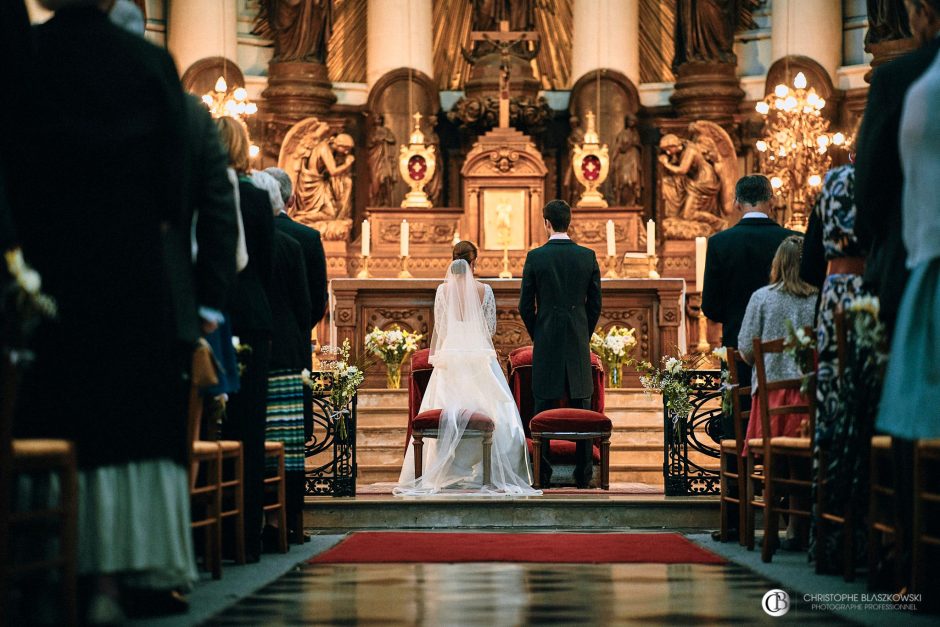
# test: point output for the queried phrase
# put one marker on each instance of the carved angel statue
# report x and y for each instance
(698, 181)
(300, 29)
(321, 171)
(383, 163)
(625, 165)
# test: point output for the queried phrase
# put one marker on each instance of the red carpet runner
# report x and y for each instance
(371, 547)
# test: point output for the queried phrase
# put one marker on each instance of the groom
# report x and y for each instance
(560, 304)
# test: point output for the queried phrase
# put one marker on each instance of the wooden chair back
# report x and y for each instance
(739, 393)
(764, 387)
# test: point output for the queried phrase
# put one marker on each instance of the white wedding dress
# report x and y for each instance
(466, 379)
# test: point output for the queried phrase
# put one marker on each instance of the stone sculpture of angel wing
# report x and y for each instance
(715, 141)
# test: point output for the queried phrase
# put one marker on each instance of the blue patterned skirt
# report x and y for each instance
(285, 421)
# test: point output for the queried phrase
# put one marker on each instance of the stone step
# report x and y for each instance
(649, 472)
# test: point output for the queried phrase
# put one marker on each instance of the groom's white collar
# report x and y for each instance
(559, 236)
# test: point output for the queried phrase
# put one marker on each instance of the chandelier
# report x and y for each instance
(795, 149)
(222, 101)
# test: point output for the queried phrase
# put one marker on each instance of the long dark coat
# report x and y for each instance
(95, 186)
(560, 304)
(879, 179)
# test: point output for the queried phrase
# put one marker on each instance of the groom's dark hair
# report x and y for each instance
(559, 214)
(753, 189)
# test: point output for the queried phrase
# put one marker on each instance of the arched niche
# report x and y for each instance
(618, 98)
(200, 77)
(389, 96)
(785, 69)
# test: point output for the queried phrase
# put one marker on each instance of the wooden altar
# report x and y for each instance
(651, 306)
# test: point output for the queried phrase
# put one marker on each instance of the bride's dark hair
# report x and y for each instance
(466, 251)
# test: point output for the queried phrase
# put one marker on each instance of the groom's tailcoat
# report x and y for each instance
(560, 304)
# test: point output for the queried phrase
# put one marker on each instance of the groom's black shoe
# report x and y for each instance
(583, 476)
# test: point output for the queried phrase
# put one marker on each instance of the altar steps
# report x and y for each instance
(636, 441)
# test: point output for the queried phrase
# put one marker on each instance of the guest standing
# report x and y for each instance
(787, 302)
(290, 354)
(738, 263)
(252, 324)
(846, 393)
(111, 373)
(908, 409)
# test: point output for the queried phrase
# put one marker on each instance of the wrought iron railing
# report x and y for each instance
(333, 431)
(699, 432)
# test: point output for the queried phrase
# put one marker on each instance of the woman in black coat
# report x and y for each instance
(252, 323)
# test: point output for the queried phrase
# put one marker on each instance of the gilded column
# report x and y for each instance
(811, 28)
(606, 36)
(197, 29)
(399, 35)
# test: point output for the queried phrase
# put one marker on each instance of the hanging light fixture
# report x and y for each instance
(795, 150)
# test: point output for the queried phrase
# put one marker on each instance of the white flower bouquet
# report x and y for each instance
(392, 346)
(338, 378)
(614, 349)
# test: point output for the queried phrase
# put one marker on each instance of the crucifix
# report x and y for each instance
(504, 40)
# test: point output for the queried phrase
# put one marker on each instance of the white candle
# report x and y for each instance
(404, 238)
(366, 237)
(456, 237)
(701, 245)
(650, 238)
(611, 241)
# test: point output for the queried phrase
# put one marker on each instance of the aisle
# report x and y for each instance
(512, 594)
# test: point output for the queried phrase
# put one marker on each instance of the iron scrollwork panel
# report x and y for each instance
(699, 432)
(334, 433)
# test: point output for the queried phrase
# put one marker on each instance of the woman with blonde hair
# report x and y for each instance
(787, 302)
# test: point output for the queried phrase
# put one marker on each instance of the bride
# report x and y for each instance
(466, 379)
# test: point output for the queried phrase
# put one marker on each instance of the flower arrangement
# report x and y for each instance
(340, 379)
(392, 346)
(863, 314)
(802, 347)
(721, 354)
(23, 307)
(614, 349)
(673, 380)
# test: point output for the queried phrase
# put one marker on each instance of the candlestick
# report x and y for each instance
(364, 269)
(403, 273)
(366, 238)
(405, 235)
(611, 240)
(611, 267)
(650, 238)
(701, 245)
(653, 274)
(703, 346)
(505, 274)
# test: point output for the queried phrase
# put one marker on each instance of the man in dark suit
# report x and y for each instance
(310, 243)
(560, 304)
(879, 181)
(737, 264)
(738, 260)
(878, 176)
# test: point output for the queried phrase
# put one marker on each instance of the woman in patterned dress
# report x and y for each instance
(843, 427)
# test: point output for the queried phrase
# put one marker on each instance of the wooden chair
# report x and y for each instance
(768, 455)
(18, 456)
(570, 424)
(734, 482)
(882, 505)
(427, 425)
(926, 497)
(824, 518)
(274, 485)
(205, 488)
(233, 492)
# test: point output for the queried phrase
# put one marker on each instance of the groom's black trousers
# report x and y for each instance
(584, 464)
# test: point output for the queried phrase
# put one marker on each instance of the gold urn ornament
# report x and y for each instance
(417, 163)
(591, 164)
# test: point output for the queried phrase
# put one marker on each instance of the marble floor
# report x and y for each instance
(513, 594)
